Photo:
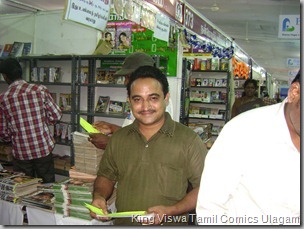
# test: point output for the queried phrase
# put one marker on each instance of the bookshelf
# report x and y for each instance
(205, 99)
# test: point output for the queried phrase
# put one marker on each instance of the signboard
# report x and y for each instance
(91, 13)
(293, 62)
(289, 26)
(173, 8)
(162, 27)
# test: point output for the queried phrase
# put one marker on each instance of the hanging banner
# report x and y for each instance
(289, 26)
(162, 27)
(173, 8)
(94, 14)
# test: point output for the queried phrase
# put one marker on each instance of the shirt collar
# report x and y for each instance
(16, 83)
(167, 129)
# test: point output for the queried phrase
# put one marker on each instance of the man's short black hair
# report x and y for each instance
(149, 72)
(11, 68)
(297, 78)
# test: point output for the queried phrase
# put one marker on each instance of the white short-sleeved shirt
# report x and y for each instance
(252, 172)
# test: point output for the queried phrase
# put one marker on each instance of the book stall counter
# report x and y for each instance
(12, 214)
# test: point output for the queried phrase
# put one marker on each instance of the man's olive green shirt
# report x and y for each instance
(154, 172)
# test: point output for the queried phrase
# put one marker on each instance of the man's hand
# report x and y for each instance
(102, 204)
(160, 213)
(99, 140)
(105, 127)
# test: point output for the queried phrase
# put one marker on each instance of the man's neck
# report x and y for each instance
(149, 130)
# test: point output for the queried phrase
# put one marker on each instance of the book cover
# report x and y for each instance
(127, 108)
(7, 50)
(16, 49)
(205, 82)
(102, 104)
(193, 82)
(110, 36)
(27, 48)
(215, 96)
(218, 83)
(123, 37)
(224, 82)
(198, 82)
(116, 107)
(194, 111)
(215, 64)
(105, 76)
(211, 82)
(222, 113)
(224, 64)
(84, 73)
(196, 96)
(206, 98)
(65, 101)
(40, 199)
(223, 97)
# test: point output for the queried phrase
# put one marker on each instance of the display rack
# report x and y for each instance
(205, 99)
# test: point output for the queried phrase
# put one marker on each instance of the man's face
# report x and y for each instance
(250, 90)
(147, 101)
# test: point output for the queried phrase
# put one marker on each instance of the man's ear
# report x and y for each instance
(294, 92)
(167, 98)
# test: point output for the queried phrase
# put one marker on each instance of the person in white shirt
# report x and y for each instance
(131, 63)
(252, 172)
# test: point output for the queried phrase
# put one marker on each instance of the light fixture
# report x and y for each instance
(214, 7)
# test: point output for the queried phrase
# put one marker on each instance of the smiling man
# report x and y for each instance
(153, 159)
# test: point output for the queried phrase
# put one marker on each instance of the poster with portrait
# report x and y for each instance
(123, 36)
(109, 36)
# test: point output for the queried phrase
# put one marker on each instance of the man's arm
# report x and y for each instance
(99, 140)
(103, 189)
(53, 111)
(4, 135)
(105, 127)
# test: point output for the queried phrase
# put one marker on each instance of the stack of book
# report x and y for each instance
(74, 173)
(70, 196)
(87, 156)
(14, 185)
(62, 162)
